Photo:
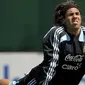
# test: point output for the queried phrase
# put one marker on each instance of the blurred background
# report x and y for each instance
(23, 23)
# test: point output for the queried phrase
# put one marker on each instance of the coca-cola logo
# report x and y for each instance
(77, 58)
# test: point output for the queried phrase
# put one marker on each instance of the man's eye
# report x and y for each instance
(77, 13)
(70, 14)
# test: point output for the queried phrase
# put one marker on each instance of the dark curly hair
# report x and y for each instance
(60, 11)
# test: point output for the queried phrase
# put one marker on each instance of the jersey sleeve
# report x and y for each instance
(51, 54)
(43, 73)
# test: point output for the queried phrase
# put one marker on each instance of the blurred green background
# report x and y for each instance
(23, 23)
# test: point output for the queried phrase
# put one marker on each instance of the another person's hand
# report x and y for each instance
(4, 81)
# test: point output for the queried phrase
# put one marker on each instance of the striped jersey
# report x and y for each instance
(66, 56)
(64, 59)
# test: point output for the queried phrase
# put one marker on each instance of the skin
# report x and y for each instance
(4, 82)
(73, 21)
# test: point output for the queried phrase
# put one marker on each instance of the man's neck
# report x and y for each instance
(74, 32)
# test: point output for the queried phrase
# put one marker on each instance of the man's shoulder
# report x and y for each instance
(53, 30)
(83, 28)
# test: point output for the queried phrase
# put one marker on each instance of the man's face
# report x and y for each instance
(73, 19)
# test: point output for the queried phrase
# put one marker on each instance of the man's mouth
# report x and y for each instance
(75, 21)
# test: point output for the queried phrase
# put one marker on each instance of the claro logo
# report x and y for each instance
(6, 70)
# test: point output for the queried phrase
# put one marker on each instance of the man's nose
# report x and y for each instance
(74, 15)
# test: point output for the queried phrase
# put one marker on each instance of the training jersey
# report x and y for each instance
(64, 59)
(66, 55)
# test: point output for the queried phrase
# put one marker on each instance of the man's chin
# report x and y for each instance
(76, 25)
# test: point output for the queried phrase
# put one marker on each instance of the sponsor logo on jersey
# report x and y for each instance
(77, 62)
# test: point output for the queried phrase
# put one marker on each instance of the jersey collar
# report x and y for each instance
(82, 35)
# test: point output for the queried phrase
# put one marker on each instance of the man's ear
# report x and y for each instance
(63, 21)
